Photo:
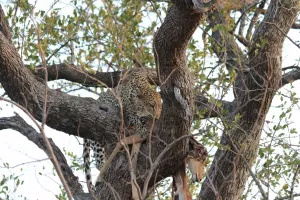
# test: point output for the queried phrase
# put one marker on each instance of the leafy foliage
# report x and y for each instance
(109, 35)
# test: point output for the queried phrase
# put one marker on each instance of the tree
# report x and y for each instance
(252, 69)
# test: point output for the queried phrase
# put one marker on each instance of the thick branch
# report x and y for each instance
(291, 76)
(18, 124)
(254, 18)
(223, 43)
(75, 74)
(4, 27)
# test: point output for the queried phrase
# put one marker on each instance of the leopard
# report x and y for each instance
(140, 106)
(140, 101)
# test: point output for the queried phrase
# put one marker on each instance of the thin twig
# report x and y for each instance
(293, 183)
(25, 163)
(57, 50)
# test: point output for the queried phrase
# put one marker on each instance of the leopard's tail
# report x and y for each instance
(87, 164)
